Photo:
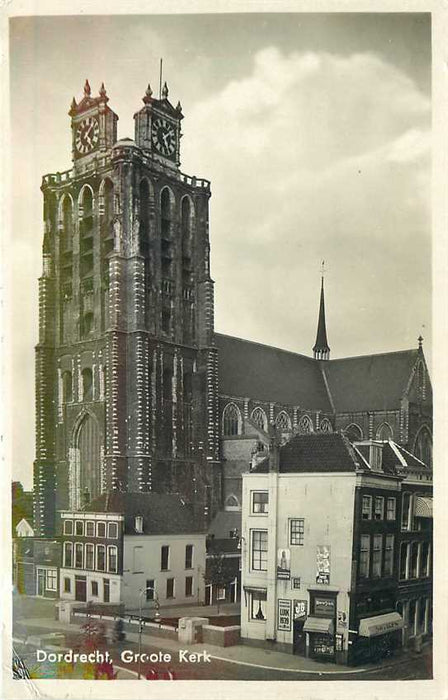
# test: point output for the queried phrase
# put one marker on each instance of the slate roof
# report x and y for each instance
(224, 522)
(265, 373)
(369, 382)
(162, 514)
(315, 452)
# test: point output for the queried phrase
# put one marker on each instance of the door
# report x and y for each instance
(80, 588)
(41, 582)
(299, 637)
(106, 587)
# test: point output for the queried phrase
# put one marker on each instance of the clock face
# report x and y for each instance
(87, 135)
(163, 136)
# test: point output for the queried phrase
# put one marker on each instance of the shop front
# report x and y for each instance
(320, 627)
(378, 637)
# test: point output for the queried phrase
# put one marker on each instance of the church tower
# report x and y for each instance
(126, 367)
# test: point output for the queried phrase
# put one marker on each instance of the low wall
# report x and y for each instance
(221, 636)
(131, 624)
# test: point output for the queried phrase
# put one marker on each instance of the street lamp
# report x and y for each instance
(140, 624)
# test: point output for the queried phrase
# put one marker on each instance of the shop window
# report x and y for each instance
(68, 554)
(389, 555)
(164, 558)
(90, 556)
(101, 557)
(51, 582)
(112, 555)
(257, 610)
(403, 560)
(95, 589)
(189, 556)
(101, 529)
(379, 508)
(68, 527)
(188, 586)
(391, 508)
(150, 584)
(78, 555)
(260, 502)
(170, 588)
(259, 550)
(366, 508)
(364, 557)
(67, 585)
(79, 528)
(231, 420)
(297, 531)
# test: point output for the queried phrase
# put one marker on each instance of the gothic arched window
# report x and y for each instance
(87, 384)
(231, 420)
(107, 229)
(283, 421)
(86, 233)
(67, 387)
(384, 432)
(325, 426)
(144, 217)
(87, 324)
(353, 432)
(423, 446)
(232, 503)
(67, 225)
(258, 417)
(305, 425)
(166, 215)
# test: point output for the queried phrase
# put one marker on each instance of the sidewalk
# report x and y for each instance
(240, 654)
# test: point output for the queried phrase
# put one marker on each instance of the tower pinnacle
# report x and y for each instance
(321, 348)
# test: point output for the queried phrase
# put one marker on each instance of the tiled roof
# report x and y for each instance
(224, 522)
(369, 382)
(162, 514)
(316, 452)
(265, 373)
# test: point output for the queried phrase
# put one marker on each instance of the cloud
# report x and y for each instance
(317, 155)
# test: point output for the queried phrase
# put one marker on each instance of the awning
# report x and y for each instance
(423, 507)
(381, 624)
(255, 589)
(324, 625)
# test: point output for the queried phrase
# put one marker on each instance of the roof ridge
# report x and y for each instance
(378, 354)
(264, 345)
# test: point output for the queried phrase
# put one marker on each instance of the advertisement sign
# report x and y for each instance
(284, 615)
(300, 608)
(342, 619)
(323, 563)
(325, 606)
(284, 563)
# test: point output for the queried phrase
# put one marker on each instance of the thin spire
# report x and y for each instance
(321, 348)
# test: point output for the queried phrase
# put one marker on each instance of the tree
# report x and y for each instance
(219, 571)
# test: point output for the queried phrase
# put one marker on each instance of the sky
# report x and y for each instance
(315, 133)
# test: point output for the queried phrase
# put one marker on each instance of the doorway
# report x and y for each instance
(299, 637)
(41, 582)
(80, 588)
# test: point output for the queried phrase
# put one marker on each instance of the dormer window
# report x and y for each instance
(139, 523)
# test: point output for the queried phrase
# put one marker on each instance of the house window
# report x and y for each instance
(364, 557)
(90, 556)
(137, 560)
(170, 588)
(68, 554)
(79, 528)
(95, 589)
(112, 559)
(391, 508)
(257, 610)
(366, 508)
(379, 508)
(413, 573)
(189, 556)
(90, 529)
(150, 589)
(106, 590)
(389, 555)
(424, 566)
(67, 585)
(68, 527)
(101, 557)
(138, 523)
(112, 531)
(377, 555)
(405, 511)
(404, 560)
(78, 555)
(188, 586)
(260, 502)
(221, 593)
(231, 420)
(259, 550)
(51, 580)
(101, 529)
(164, 557)
(297, 531)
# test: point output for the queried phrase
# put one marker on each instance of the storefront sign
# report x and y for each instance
(323, 564)
(300, 608)
(284, 615)
(284, 563)
(325, 606)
